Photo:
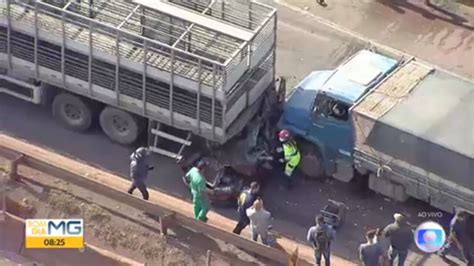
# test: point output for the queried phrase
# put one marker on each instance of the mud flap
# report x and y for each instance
(344, 171)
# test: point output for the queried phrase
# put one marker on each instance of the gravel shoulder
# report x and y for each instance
(114, 226)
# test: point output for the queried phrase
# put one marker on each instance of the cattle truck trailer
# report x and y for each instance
(201, 66)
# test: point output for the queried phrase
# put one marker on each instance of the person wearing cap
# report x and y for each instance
(139, 171)
(291, 155)
(401, 238)
(246, 199)
(199, 191)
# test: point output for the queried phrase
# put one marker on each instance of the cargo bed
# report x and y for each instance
(417, 129)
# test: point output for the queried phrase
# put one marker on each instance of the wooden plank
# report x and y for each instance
(160, 203)
(393, 90)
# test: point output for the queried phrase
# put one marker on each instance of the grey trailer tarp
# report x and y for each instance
(423, 118)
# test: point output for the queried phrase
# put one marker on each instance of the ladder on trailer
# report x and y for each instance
(157, 132)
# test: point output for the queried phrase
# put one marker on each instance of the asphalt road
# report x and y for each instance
(303, 46)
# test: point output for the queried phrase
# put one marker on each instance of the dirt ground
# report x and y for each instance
(114, 226)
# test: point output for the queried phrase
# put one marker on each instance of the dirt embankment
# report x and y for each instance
(114, 226)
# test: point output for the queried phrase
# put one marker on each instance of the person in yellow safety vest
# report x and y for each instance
(291, 155)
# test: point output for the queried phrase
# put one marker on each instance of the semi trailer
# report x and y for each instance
(201, 67)
(403, 124)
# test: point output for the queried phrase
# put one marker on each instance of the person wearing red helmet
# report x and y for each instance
(291, 154)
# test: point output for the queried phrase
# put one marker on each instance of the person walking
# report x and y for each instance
(320, 237)
(139, 171)
(291, 156)
(371, 253)
(246, 199)
(259, 221)
(199, 191)
(401, 238)
(459, 236)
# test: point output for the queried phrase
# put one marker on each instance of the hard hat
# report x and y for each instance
(284, 135)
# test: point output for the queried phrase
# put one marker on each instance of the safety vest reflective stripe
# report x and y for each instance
(290, 150)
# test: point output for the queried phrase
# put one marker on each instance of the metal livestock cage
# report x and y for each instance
(195, 65)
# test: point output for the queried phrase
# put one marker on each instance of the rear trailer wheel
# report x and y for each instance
(120, 126)
(311, 162)
(73, 112)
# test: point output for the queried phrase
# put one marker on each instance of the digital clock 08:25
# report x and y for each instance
(54, 242)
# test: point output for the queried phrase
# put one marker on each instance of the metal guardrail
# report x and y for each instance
(167, 216)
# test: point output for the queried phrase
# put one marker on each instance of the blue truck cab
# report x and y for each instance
(318, 111)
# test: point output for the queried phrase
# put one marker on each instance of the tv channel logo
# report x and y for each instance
(430, 236)
(54, 233)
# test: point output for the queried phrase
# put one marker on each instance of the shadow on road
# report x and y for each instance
(429, 11)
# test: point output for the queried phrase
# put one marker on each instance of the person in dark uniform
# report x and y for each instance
(459, 237)
(245, 201)
(139, 171)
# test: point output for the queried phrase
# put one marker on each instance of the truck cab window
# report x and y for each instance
(321, 106)
(328, 107)
(340, 111)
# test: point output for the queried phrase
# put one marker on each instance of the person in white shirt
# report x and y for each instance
(259, 221)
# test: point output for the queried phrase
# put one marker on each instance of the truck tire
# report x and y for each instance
(121, 126)
(311, 162)
(73, 112)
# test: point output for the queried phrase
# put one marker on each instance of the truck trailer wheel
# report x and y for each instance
(73, 111)
(311, 162)
(120, 126)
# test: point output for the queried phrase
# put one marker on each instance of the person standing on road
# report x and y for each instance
(371, 253)
(384, 244)
(459, 236)
(320, 236)
(139, 171)
(245, 201)
(401, 238)
(199, 191)
(291, 156)
(259, 221)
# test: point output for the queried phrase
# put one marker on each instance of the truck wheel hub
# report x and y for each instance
(72, 111)
(120, 124)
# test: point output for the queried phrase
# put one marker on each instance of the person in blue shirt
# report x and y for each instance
(320, 237)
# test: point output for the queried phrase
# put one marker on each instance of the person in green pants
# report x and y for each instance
(199, 191)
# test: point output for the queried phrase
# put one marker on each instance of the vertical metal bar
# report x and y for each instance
(172, 88)
(224, 105)
(117, 66)
(91, 57)
(63, 48)
(274, 42)
(250, 15)
(170, 31)
(36, 43)
(9, 35)
(91, 10)
(222, 9)
(142, 22)
(213, 112)
(198, 104)
(145, 63)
